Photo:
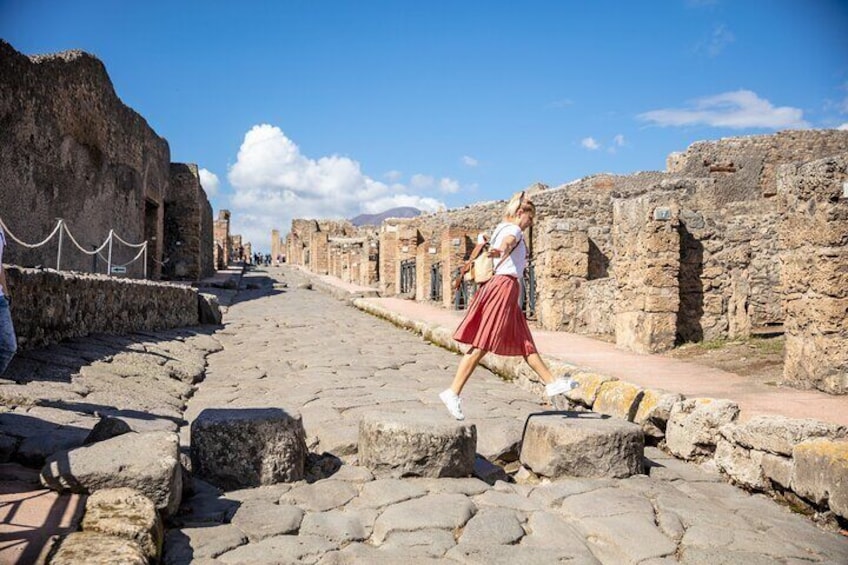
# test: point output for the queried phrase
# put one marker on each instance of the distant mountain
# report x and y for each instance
(377, 219)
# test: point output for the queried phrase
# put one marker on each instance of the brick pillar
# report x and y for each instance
(319, 251)
(562, 266)
(388, 263)
(813, 234)
(426, 254)
(456, 246)
(647, 268)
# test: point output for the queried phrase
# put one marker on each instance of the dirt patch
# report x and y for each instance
(760, 358)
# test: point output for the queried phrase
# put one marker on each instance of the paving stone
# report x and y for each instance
(339, 526)
(467, 486)
(189, 545)
(510, 500)
(280, 549)
(353, 474)
(384, 492)
(259, 519)
(512, 554)
(441, 511)
(430, 542)
(493, 526)
(321, 496)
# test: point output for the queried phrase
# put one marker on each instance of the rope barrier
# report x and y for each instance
(61, 228)
(30, 245)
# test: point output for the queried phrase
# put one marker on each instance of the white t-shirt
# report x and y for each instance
(516, 262)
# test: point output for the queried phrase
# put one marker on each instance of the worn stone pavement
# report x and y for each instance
(304, 350)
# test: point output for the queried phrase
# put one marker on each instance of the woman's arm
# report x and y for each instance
(507, 245)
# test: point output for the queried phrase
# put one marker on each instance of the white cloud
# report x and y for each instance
(422, 182)
(448, 185)
(618, 140)
(720, 38)
(590, 143)
(469, 161)
(561, 103)
(843, 126)
(210, 183)
(393, 176)
(737, 110)
(274, 183)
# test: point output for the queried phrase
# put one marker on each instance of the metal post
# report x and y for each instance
(59, 253)
(145, 259)
(94, 259)
(109, 263)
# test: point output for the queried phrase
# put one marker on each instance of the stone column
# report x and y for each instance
(388, 262)
(562, 267)
(647, 240)
(424, 259)
(813, 235)
(319, 244)
(456, 245)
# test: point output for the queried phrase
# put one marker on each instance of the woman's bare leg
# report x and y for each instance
(467, 365)
(538, 365)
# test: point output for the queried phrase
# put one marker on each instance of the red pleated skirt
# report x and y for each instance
(494, 321)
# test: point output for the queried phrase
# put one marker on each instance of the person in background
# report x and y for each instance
(494, 320)
(8, 343)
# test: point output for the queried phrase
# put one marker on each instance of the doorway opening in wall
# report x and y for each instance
(690, 288)
(598, 262)
(151, 231)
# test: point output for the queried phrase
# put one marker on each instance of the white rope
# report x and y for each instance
(142, 244)
(134, 259)
(31, 245)
(105, 243)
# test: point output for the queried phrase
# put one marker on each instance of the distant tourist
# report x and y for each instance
(8, 343)
(494, 320)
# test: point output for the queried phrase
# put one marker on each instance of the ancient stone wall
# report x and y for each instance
(70, 148)
(745, 168)
(188, 221)
(58, 305)
(278, 248)
(813, 232)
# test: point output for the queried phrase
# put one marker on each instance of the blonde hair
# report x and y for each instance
(517, 204)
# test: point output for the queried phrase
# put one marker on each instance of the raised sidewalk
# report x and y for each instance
(649, 371)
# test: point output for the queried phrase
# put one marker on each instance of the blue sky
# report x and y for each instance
(325, 108)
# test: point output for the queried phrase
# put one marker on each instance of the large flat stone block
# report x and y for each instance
(147, 462)
(421, 443)
(820, 473)
(693, 426)
(582, 445)
(248, 447)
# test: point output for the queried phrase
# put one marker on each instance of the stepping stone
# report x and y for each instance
(420, 444)
(582, 445)
(248, 447)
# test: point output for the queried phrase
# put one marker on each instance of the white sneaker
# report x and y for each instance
(453, 403)
(560, 386)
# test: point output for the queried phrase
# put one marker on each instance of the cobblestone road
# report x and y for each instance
(302, 349)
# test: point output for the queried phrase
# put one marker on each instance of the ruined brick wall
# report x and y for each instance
(745, 168)
(70, 148)
(59, 305)
(813, 232)
(188, 220)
